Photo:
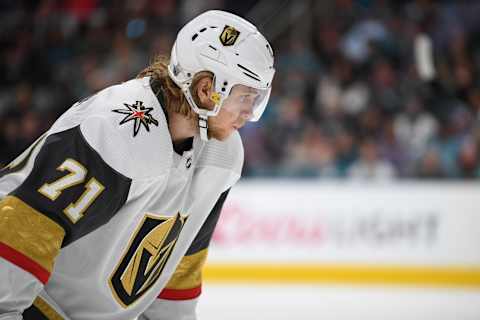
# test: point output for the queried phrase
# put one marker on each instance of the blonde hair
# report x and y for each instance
(163, 85)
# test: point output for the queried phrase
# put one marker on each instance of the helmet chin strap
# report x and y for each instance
(202, 116)
(203, 125)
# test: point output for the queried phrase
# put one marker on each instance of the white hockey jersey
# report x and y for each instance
(101, 219)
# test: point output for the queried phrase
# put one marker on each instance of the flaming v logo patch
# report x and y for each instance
(145, 257)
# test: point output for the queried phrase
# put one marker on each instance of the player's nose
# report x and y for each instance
(246, 114)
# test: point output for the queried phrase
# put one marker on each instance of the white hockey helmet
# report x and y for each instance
(232, 49)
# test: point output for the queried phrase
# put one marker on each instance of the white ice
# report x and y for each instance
(288, 302)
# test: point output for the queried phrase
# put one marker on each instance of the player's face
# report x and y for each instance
(237, 109)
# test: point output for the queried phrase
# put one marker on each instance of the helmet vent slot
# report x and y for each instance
(269, 50)
(248, 70)
(249, 75)
(203, 29)
(194, 36)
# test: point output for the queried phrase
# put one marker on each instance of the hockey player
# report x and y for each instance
(109, 214)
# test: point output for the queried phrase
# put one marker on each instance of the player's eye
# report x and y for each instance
(244, 97)
(248, 98)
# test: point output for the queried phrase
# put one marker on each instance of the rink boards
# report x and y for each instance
(409, 233)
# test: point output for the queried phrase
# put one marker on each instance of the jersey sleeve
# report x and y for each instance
(179, 298)
(18, 284)
(68, 192)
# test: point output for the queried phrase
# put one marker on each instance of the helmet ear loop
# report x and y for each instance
(216, 96)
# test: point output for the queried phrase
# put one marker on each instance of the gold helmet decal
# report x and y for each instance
(215, 97)
(229, 35)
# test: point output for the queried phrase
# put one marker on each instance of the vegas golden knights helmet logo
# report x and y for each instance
(145, 257)
(229, 35)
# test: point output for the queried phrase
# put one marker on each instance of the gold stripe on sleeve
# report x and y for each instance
(29, 232)
(47, 310)
(189, 271)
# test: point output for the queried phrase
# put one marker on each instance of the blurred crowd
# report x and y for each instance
(347, 100)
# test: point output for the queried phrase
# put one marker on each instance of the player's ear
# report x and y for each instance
(204, 90)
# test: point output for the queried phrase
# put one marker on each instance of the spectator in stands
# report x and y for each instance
(345, 71)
